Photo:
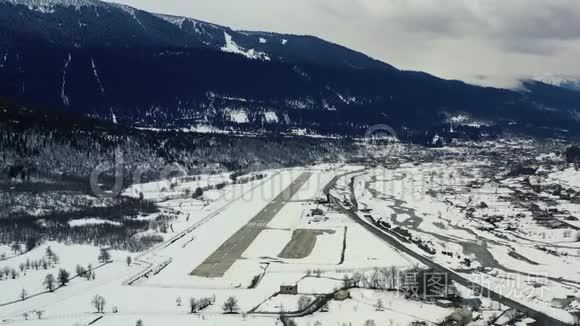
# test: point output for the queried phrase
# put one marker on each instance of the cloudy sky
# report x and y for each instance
(492, 41)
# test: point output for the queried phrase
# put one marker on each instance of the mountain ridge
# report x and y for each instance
(65, 27)
(160, 71)
(560, 80)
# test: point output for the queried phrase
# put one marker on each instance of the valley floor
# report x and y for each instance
(247, 239)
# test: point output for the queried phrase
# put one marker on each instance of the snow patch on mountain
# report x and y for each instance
(554, 79)
(113, 117)
(346, 99)
(461, 118)
(47, 6)
(96, 74)
(232, 47)
(175, 20)
(301, 104)
(465, 120)
(271, 117)
(198, 25)
(63, 96)
(131, 11)
(212, 95)
(263, 40)
(238, 116)
(327, 106)
(3, 61)
(284, 41)
(564, 81)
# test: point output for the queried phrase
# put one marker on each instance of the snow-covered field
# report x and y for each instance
(149, 288)
(362, 307)
(447, 211)
(453, 208)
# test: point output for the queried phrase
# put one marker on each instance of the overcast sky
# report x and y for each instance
(493, 40)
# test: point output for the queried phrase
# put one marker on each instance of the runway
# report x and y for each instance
(218, 263)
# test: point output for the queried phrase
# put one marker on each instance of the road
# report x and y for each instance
(218, 263)
(539, 316)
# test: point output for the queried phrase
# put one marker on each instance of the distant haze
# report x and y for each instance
(492, 42)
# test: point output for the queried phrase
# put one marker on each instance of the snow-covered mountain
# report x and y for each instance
(93, 23)
(130, 66)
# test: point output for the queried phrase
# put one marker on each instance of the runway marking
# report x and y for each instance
(218, 263)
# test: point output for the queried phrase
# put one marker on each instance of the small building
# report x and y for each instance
(444, 303)
(289, 289)
(341, 295)
(316, 212)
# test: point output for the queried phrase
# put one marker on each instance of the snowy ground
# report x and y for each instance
(439, 204)
(362, 307)
(452, 207)
(149, 289)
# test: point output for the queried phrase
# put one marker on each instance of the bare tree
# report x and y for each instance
(49, 282)
(99, 303)
(129, 260)
(23, 294)
(139, 323)
(39, 314)
(231, 305)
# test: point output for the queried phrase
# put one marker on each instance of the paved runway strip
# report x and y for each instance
(218, 263)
